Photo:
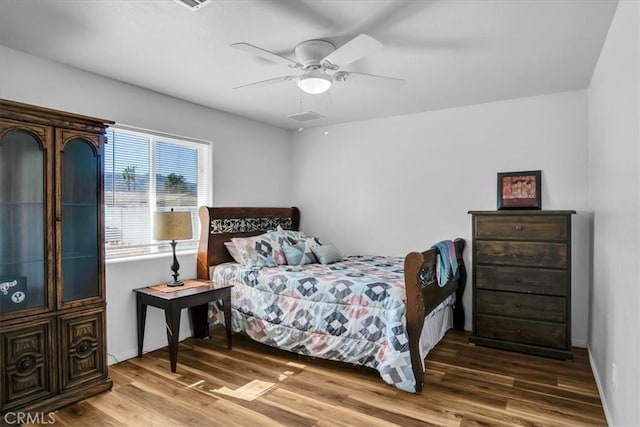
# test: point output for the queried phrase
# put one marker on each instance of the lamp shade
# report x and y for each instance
(172, 225)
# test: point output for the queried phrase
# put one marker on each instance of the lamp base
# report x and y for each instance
(175, 283)
(175, 266)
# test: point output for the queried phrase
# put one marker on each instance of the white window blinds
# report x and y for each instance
(147, 172)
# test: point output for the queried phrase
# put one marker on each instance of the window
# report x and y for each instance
(147, 172)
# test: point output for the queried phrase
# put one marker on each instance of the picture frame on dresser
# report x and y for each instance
(520, 190)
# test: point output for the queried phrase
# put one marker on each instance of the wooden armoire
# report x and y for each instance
(52, 286)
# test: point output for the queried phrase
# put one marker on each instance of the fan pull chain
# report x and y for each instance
(326, 113)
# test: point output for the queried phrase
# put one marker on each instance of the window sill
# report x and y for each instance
(136, 258)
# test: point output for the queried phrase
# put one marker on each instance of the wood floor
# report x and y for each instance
(465, 385)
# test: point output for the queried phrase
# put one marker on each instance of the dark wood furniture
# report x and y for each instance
(522, 281)
(220, 224)
(52, 290)
(173, 301)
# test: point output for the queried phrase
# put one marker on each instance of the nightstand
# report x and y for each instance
(172, 300)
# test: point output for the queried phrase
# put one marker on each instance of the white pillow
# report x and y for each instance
(233, 251)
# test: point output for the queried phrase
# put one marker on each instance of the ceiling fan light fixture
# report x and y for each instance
(314, 82)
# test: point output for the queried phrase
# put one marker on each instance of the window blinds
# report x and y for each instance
(147, 172)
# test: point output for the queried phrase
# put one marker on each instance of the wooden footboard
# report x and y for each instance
(424, 295)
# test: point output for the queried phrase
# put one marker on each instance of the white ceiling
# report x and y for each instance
(450, 52)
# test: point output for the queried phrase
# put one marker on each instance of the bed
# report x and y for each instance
(380, 312)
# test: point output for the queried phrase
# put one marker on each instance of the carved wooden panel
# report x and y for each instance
(81, 354)
(28, 359)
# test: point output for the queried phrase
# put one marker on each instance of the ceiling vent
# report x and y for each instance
(305, 116)
(193, 5)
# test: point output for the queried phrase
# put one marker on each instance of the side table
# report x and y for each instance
(172, 300)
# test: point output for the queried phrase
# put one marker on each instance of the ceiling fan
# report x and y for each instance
(321, 64)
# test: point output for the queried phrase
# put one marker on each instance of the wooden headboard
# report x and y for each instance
(219, 225)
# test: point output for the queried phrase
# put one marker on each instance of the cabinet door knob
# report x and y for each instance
(518, 331)
(517, 305)
(58, 218)
(518, 228)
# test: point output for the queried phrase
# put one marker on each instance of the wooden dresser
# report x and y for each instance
(522, 281)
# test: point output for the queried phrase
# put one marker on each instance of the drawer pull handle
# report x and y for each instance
(518, 331)
(518, 281)
(518, 228)
(25, 364)
(84, 347)
(517, 305)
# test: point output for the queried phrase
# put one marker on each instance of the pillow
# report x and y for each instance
(299, 254)
(255, 251)
(327, 254)
(295, 236)
(279, 240)
(233, 251)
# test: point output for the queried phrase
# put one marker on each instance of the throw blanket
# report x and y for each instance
(447, 265)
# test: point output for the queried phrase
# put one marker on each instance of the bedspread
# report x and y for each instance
(351, 311)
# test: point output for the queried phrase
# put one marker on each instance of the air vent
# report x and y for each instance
(305, 116)
(193, 5)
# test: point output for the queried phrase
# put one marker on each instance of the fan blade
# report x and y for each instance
(268, 82)
(392, 16)
(313, 13)
(369, 79)
(353, 50)
(263, 53)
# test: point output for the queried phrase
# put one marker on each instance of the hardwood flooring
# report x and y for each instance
(465, 385)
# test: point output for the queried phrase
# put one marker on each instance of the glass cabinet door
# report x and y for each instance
(79, 220)
(23, 216)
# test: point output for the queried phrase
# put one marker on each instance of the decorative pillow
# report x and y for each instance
(299, 254)
(279, 240)
(312, 241)
(255, 251)
(327, 254)
(233, 251)
(295, 236)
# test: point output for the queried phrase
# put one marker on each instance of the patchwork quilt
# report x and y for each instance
(351, 311)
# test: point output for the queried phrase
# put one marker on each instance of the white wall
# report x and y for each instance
(614, 160)
(235, 141)
(394, 185)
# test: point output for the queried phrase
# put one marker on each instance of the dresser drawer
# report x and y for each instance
(522, 331)
(523, 306)
(521, 227)
(522, 279)
(527, 254)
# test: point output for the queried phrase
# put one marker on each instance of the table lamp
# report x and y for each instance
(172, 226)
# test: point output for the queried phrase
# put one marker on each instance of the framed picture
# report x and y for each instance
(519, 190)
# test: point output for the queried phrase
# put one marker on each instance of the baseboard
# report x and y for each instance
(133, 352)
(579, 343)
(603, 400)
(112, 359)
